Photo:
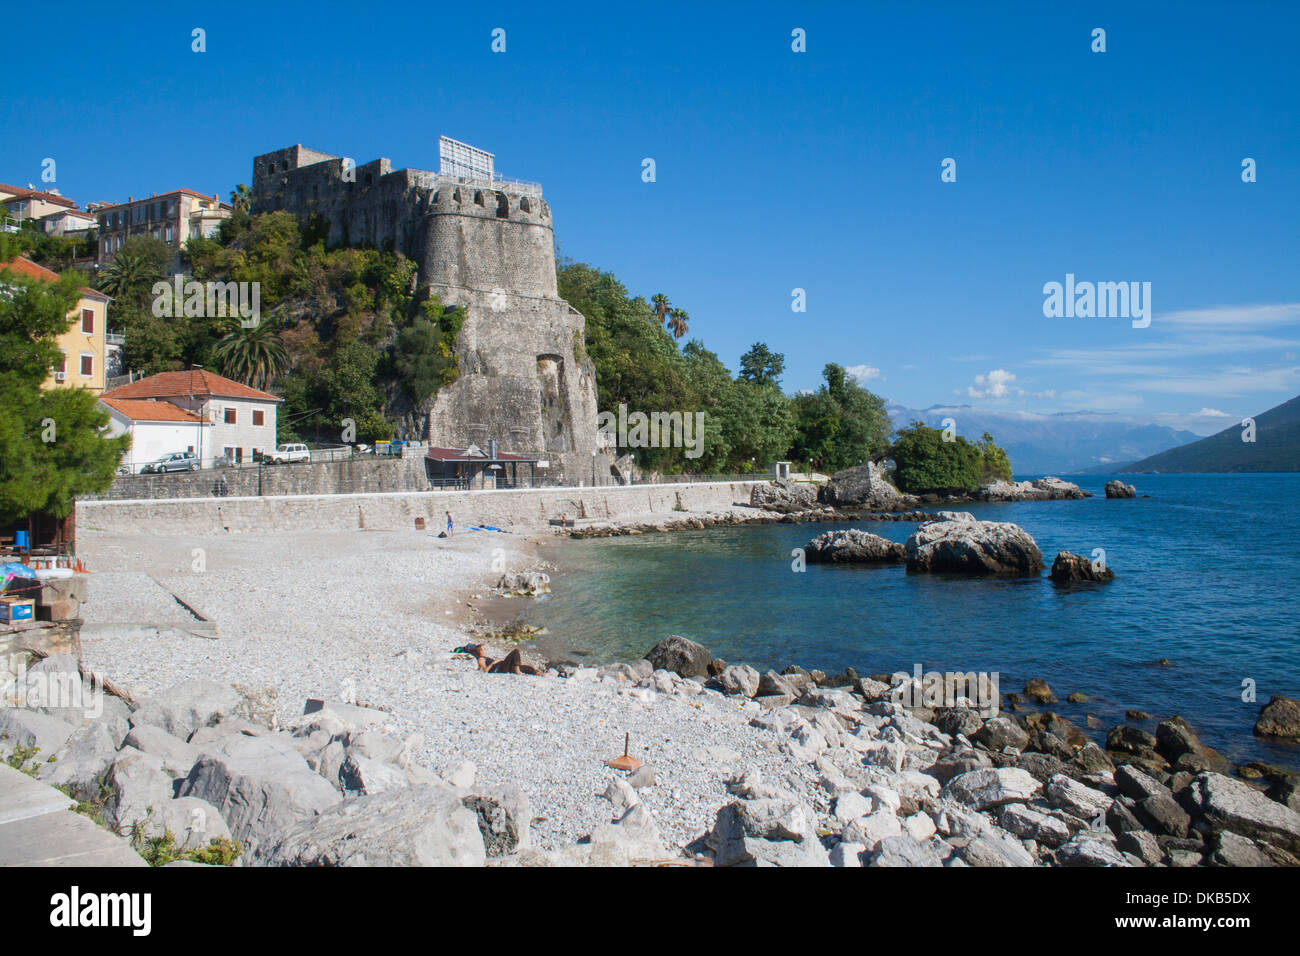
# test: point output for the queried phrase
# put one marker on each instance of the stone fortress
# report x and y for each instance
(482, 242)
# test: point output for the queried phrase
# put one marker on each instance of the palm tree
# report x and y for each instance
(253, 355)
(241, 197)
(663, 308)
(127, 272)
(677, 320)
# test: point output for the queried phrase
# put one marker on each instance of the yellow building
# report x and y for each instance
(84, 348)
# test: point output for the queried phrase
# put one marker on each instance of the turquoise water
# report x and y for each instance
(1206, 573)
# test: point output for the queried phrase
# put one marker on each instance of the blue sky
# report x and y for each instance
(779, 170)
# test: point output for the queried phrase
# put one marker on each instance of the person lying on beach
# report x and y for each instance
(512, 663)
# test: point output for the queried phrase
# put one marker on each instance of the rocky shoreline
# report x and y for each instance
(870, 780)
(862, 493)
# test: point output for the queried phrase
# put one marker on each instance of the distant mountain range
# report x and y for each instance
(1276, 448)
(1063, 443)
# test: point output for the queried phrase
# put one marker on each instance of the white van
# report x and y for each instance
(294, 452)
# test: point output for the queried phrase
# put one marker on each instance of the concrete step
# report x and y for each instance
(37, 828)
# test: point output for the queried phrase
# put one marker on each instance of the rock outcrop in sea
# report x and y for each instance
(959, 543)
(852, 546)
(1040, 489)
(864, 487)
(1069, 567)
(1117, 489)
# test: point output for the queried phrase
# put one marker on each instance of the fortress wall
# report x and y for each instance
(490, 250)
(520, 382)
(471, 246)
(520, 510)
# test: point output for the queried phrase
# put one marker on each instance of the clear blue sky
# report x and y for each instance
(777, 170)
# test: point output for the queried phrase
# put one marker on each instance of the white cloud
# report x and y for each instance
(862, 373)
(996, 384)
(1236, 316)
(1212, 413)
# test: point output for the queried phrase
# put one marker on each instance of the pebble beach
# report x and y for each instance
(376, 615)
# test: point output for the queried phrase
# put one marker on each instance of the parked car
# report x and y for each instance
(177, 461)
(292, 452)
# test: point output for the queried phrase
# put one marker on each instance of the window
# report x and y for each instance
(230, 416)
(88, 321)
(63, 362)
(229, 453)
(87, 364)
(170, 233)
(259, 417)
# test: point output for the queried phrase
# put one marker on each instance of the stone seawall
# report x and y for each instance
(350, 476)
(510, 509)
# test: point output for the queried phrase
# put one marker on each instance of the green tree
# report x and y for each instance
(761, 365)
(51, 446)
(677, 322)
(251, 354)
(840, 425)
(994, 463)
(924, 463)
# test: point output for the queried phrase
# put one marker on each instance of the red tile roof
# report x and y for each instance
(194, 382)
(36, 194)
(25, 267)
(141, 410)
(157, 196)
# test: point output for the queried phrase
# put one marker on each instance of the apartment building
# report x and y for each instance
(174, 217)
(84, 346)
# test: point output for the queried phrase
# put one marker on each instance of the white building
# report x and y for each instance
(156, 429)
(241, 419)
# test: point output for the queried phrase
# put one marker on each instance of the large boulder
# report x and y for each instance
(739, 679)
(503, 817)
(1069, 567)
(864, 486)
(176, 755)
(852, 546)
(766, 832)
(1117, 489)
(784, 496)
(31, 729)
(681, 656)
(1280, 717)
(261, 785)
(1040, 489)
(134, 784)
(184, 708)
(992, 787)
(1178, 743)
(416, 826)
(81, 763)
(958, 543)
(1228, 804)
(191, 821)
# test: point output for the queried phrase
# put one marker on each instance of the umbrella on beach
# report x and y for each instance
(626, 761)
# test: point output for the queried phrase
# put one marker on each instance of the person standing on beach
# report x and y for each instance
(451, 529)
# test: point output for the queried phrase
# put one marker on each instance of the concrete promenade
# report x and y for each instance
(518, 509)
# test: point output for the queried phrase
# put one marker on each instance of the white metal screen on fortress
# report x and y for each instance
(460, 160)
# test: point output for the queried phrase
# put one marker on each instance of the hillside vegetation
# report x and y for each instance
(1276, 448)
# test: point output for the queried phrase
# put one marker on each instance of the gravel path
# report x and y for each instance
(376, 614)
